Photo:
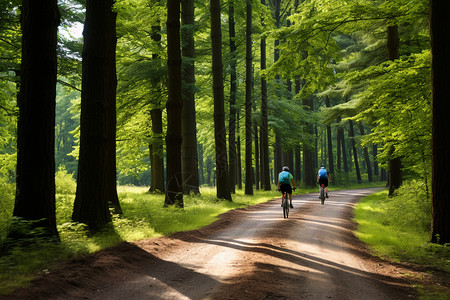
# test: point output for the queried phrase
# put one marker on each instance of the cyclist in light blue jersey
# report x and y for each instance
(284, 183)
(323, 177)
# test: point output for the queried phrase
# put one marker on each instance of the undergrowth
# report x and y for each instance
(398, 228)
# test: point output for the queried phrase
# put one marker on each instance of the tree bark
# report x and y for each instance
(395, 164)
(440, 64)
(189, 123)
(330, 144)
(265, 169)
(248, 103)
(156, 145)
(35, 181)
(355, 153)
(309, 178)
(95, 184)
(344, 151)
(223, 189)
(233, 95)
(157, 152)
(366, 155)
(174, 192)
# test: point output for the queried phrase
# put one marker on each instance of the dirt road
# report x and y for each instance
(248, 254)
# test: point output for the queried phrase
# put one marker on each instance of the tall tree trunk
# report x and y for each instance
(338, 149)
(355, 153)
(110, 155)
(157, 152)
(238, 152)
(440, 64)
(189, 123)
(257, 166)
(223, 189)
(309, 178)
(395, 164)
(375, 161)
(344, 151)
(174, 191)
(35, 181)
(156, 145)
(233, 95)
(366, 155)
(330, 144)
(248, 103)
(298, 165)
(95, 184)
(265, 169)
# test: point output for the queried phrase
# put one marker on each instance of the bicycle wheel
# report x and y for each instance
(285, 207)
(322, 195)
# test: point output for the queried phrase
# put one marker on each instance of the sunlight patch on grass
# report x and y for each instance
(388, 237)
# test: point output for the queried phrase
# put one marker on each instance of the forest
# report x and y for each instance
(176, 95)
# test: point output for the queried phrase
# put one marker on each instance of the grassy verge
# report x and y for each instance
(398, 229)
(143, 217)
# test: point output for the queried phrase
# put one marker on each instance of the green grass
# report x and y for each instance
(143, 217)
(397, 229)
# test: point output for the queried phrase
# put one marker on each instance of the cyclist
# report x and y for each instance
(284, 184)
(323, 177)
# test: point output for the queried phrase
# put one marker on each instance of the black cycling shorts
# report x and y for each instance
(285, 188)
(324, 181)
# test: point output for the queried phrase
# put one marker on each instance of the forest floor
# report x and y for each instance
(250, 253)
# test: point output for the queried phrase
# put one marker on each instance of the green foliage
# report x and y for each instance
(64, 182)
(398, 227)
(7, 191)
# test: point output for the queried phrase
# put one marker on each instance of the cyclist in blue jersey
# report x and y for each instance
(284, 184)
(323, 177)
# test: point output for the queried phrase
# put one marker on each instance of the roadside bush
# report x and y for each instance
(410, 207)
(7, 191)
(64, 182)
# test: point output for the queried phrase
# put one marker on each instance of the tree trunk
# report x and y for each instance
(395, 164)
(223, 189)
(174, 191)
(375, 161)
(344, 151)
(330, 145)
(248, 104)
(265, 169)
(440, 64)
(395, 173)
(233, 94)
(189, 130)
(338, 149)
(298, 165)
(257, 161)
(239, 154)
(309, 178)
(355, 153)
(156, 145)
(35, 181)
(366, 156)
(157, 152)
(95, 186)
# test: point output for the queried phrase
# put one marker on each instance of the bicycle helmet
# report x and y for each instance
(285, 168)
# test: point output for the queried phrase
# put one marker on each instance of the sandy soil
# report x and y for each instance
(251, 253)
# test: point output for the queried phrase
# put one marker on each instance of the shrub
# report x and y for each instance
(65, 183)
(411, 207)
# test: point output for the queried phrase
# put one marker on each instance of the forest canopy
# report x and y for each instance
(302, 84)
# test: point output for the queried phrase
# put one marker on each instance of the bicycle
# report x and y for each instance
(285, 204)
(322, 193)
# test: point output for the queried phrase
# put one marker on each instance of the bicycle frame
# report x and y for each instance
(285, 205)
(322, 193)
